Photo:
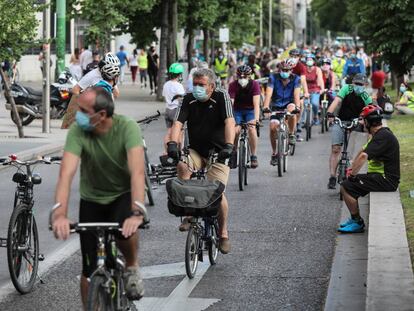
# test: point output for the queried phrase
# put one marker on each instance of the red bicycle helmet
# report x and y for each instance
(371, 113)
(244, 70)
(286, 64)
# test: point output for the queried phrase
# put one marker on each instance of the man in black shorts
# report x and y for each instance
(211, 125)
(112, 187)
(383, 154)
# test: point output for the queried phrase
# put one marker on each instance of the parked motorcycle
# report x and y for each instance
(29, 100)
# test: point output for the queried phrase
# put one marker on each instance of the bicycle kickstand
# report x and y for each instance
(41, 258)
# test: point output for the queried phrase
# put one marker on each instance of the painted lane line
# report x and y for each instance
(64, 252)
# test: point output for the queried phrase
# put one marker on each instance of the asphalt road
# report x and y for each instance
(282, 232)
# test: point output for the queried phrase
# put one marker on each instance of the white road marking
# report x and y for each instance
(178, 300)
(64, 252)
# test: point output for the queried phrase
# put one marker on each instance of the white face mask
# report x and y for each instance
(243, 82)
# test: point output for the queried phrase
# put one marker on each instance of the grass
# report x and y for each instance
(403, 128)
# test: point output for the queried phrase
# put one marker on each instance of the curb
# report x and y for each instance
(38, 151)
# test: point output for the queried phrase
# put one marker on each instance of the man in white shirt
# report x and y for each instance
(85, 59)
(173, 91)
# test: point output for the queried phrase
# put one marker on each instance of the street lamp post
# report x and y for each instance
(60, 36)
(270, 24)
(261, 24)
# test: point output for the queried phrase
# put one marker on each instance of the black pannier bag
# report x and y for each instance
(194, 197)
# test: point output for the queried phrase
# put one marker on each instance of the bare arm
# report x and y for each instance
(76, 89)
(296, 97)
(333, 81)
(176, 131)
(115, 91)
(304, 85)
(334, 104)
(268, 97)
(229, 130)
(256, 105)
(358, 162)
(320, 82)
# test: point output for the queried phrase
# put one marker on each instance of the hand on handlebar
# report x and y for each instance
(131, 224)
(267, 112)
(61, 227)
(331, 117)
(225, 153)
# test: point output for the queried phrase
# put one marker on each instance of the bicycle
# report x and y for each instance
(324, 109)
(282, 139)
(148, 168)
(344, 162)
(308, 118)
(203, 231)
(22, 240)
(106, 284)
(244, 154)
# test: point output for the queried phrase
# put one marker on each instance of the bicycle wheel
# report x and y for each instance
(213, 244)
(98, 295)
(148, 186)
(22, 249)
(280, 149)
(285, 155)
(323, 117)
(191, 252)
(242, 163)
(248, 154)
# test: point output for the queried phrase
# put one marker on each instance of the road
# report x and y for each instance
(282, 232)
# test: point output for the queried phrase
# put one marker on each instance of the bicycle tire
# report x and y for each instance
(292, 149)
(98, 297)
(247, 161)
(22, 223)
(149, 192)
(280, 148)
(285, 155)
(242, 163)
(323, 115)
(307, 124)
(213, 244)
(191, 252)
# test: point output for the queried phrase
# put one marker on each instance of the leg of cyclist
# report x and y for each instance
(273, 127)
(253, 144)
(337, 138)
(314, 98)
(238, 117)
(292, 124)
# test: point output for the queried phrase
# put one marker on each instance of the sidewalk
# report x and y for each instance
(133, 102)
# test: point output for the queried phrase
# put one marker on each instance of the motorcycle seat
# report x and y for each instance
(33, 91)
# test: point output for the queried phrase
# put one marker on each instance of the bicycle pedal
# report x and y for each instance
(41, 257)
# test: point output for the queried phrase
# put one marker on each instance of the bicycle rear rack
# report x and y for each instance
(3, 242)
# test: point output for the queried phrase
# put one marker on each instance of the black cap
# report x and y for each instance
(360, 78)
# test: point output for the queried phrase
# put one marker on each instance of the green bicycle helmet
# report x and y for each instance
(176, 68)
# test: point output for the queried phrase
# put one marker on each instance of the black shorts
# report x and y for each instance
(116, 211)
(367, 183)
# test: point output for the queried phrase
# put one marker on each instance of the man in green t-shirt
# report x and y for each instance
(352, 98)
(112, 184)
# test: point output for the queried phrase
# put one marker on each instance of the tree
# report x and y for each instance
(387, 26)
(163, 47)
(18, 26)
(333, 14)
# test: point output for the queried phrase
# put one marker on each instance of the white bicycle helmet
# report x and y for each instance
(110, 71)
(111, 59)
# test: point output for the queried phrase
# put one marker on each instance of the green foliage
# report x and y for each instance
(388, 26)
(18, 26)
(333, 14)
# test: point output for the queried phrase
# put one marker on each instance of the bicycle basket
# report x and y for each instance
(199, 198)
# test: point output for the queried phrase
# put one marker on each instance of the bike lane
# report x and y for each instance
(282, 232)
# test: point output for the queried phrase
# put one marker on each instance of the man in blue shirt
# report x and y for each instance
(282, 93)
(353, 66)
(123, 58)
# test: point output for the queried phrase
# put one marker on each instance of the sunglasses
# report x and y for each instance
(285, 70)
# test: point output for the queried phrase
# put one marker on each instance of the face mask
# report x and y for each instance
(243, 82)
(295, 60)
(200, 93)
(359, 89)
(84, 121)
(284, 75)
(220, 57)
(353, 55)
(403, 89)
(309, 63)
(303, 59)
(326, 67)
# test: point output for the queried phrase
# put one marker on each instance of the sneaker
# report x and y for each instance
(273, 159)
(332, 183)
(185, 225)
(354, 227)
(347, 222)
(299, 130)
(292, 139)
(253, 161)
(224, 245)
(298, 138)
(316, 122)
(134, 286)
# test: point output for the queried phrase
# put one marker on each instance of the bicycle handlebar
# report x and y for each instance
(12, 159)
(348, 125)
(149, 119)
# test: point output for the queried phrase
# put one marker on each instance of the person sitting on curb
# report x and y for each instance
(406, 103)
(383, 154)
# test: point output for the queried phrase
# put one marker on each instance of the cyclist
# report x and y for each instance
(199, 65)
(245, 95)
(329, 79)
(172, 91)
(353, 66)
(352, 98)
(283, 92)
(111, 146)
(251, 62)
(338, 63)
(221, 68)
(383, 155)
(210, 125)
(110, 74)
(314, 80)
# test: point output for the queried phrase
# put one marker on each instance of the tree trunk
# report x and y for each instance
(213, 46)
(7, 94)
(173, 8)
(189, 49)
(163, 48)
(206, 44)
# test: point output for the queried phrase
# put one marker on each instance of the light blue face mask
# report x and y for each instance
(284, 75)
(200, 93)
(359, 89)
(84, 121)
(402, 89)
